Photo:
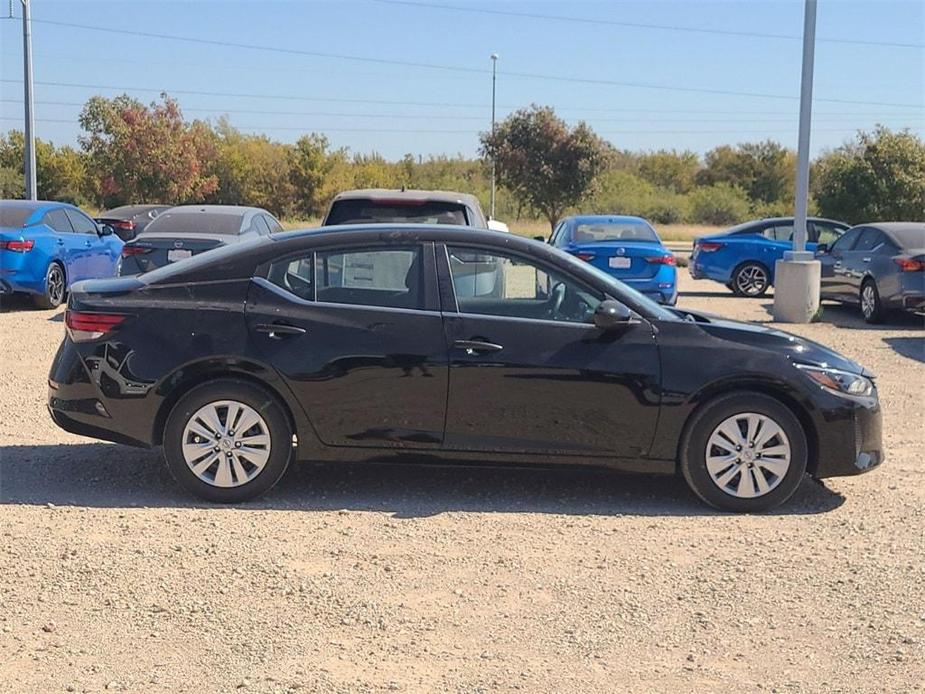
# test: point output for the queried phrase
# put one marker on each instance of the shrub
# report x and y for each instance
(718, 204)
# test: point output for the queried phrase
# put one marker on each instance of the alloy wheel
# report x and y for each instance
(751, 280)
(55, 285)
(226, 443)
(868, 301)
(748, 455)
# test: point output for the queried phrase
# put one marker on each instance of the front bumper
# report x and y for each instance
(850, 437)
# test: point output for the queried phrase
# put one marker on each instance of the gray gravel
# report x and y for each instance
(394, 578)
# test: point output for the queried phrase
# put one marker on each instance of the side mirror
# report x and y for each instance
(541, 239)
(106, 230)
(822, 248)
(611, 314)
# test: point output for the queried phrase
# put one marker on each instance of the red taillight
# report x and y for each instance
(587, 257)
(909, 264)
(709, 246)
(83, 326)
(134, 250)
(124, 224)
(662, 260)
(18, 245)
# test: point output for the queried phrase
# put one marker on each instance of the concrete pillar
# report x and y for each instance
(796, 290)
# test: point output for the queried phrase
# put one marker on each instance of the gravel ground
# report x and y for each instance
(395, 578)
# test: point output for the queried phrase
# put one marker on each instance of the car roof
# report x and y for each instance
(218, 209)
(35, 204)
(616, 218)
(895, 226)
(388, 194)
(134, 209)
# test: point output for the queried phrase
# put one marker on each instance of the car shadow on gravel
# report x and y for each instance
(850, 318)
(111, 476)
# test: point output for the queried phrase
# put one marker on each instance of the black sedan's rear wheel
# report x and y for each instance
(227, 441)
(750, 279)
(744, 452)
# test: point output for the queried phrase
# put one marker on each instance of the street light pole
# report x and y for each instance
(494, 66)
(29, 144)
(797, 276)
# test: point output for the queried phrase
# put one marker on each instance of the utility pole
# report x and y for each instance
(29, 144)
(797, 276)
(494, 72)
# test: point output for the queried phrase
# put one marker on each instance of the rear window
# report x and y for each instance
(613, 231)
(195, 223)
(14, 216)
(396, 211)
(910, 237)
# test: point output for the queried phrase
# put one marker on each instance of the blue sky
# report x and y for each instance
(394, 109)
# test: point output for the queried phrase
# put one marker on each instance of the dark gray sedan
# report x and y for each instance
(184, 231)
(879, 266)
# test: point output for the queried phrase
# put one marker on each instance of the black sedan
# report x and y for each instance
(381, 342)
(880, 267)
(130, 220)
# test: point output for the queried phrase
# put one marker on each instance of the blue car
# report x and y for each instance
(743, 257)
(47, 246)
(624, 247)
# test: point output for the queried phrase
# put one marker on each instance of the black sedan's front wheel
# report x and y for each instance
(227, 441)
(744, 452)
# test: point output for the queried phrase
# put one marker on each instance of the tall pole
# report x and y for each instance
(806, 109)
(798, 275)
(29, 151)
(494, 72)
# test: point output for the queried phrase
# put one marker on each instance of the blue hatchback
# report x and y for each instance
(47, 246)
(743, 257)
(624, 247)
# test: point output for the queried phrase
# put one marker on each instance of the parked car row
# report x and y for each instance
(879, 267)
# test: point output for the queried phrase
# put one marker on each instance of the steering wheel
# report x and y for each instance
(556, 298)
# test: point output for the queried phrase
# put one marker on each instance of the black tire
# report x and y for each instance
(703, 423)
(55, 288)
(871, 306)
(750, 279)
(243, 392)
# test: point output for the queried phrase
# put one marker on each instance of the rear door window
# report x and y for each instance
(387, 277)
(870, 239)
(58, 221)
(779, 232)
(259, 224)
(81, 223)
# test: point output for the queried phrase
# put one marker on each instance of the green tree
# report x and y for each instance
(881, 176)
(141, 153)
(671, 170)
(718, 204)
(764, 170)
(60, 171)
(544, 163)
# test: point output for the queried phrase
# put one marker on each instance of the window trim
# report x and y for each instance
(445, 274)
(77, 213)
(58, 231)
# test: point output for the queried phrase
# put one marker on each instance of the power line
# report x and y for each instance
(638, 25)
(440, 116)
(460, 68)
(476, 132)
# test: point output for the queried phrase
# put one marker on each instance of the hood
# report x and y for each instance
(798, 349)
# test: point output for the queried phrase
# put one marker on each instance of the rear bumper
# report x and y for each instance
(849, 438)
(662, 287)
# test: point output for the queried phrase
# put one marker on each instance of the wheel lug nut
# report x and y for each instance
(216, 449)
(231, 433)
(237, 444)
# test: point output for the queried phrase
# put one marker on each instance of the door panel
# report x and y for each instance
(365, 375)
(530, 373)
(552, 388)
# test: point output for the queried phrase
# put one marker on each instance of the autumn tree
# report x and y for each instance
(141, 153)
(880, 176)
(60, 171)
(544, 163)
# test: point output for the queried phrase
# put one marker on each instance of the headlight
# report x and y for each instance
(839, 382)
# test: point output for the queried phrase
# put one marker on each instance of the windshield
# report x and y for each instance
(15, 217)
(396, 211)
(619, 290)
(195, 223)
(595, 232)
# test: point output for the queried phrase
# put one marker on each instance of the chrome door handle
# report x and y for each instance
(476, 347)
(277, 331)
